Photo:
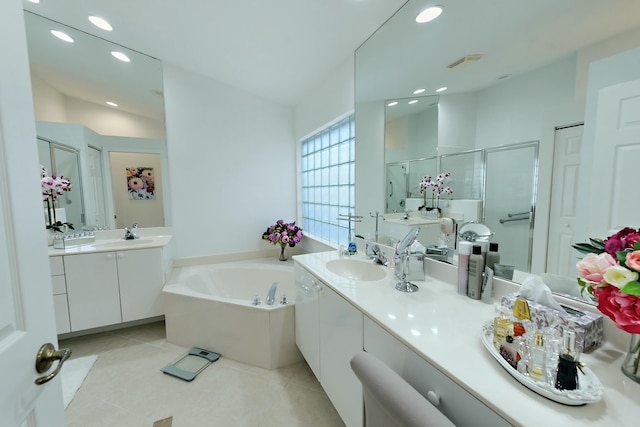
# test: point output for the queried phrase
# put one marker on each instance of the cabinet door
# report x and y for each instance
(92, 290)
(341, 338)
(141, 279)
(457, 404)
(307, 322)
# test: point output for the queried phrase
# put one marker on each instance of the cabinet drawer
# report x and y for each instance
(59, 285)
(457, 404)
(56, 265)
(61, 308)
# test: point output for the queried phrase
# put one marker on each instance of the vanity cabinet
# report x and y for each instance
(92, 289)
(107, 288)
(307, 317)
(457, 404)
(329, 332)
(59, 288)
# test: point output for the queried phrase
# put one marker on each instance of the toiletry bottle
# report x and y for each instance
(502, 325)
(484, 248)
(538, 368)
(567, 375)
(464, 251)
(352, 248)
(493, 256)
(476, 270)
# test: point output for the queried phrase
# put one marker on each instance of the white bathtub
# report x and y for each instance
(210, 306)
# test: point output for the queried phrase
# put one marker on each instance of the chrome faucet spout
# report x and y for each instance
(271, 296)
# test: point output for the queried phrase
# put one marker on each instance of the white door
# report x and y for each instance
(562, 212)
(616, 158)
(26, 297)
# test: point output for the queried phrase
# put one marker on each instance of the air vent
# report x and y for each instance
(465, 60)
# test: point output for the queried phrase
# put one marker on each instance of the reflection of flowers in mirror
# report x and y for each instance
(53, 187)
(437, 188)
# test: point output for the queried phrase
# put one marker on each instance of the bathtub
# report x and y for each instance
(211, 306)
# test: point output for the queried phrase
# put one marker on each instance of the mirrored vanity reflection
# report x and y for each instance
(94, 144)
(511, 143)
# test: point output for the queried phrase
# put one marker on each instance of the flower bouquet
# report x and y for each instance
(283, 234)
(437, 188)
(52, 188)
(609, 271)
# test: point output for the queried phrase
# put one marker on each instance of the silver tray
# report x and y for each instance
(590, 388)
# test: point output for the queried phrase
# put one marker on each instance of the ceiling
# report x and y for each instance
(281, 50)
(278, 49)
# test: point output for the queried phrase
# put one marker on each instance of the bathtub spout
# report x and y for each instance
(271, 296)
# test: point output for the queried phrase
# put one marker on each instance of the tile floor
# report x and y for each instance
(125, 388)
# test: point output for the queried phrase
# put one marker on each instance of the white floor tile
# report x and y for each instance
(126, 387)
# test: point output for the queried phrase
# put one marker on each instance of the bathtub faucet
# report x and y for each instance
(271, 296)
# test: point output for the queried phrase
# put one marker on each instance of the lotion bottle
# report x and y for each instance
(493, 257)
(476, 268)
(464, 251)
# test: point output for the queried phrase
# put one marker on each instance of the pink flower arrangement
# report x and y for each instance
(283, 234)
(610, 271)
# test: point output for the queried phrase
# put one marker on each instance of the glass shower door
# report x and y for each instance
(509, 208)
(397, 175)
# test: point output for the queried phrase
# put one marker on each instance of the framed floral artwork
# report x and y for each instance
(140, 183)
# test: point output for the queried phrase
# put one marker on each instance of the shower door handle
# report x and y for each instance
(390, 188)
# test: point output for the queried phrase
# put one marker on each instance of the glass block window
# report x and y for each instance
(328, 181)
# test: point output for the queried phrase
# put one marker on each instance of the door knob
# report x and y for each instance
(45, 358)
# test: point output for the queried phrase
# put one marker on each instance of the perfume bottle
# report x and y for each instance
(502, 326)
(567, 375)
(537, 367)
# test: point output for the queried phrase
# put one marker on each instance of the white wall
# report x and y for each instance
(333, 98)
(53, 106)
(232, 165)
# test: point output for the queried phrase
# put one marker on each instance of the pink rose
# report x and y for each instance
(623, 239)
(633, 260)
(623, 309)
(592, 267)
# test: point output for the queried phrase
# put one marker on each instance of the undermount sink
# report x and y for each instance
(356, 270)
(123, 242)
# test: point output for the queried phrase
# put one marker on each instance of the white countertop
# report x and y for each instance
(444, 328)
(112, 240)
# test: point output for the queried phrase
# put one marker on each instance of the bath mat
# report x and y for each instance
(165, 422)
(73, 374)
(191, 364)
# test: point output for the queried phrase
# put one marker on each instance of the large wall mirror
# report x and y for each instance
(497, 124)
(96, 107)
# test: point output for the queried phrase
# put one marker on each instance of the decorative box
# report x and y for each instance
(589, 327)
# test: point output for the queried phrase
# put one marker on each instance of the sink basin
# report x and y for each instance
(125, 243)
(356, 270)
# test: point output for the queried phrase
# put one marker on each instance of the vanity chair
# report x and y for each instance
(389, 401)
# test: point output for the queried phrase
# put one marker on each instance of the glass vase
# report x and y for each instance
(283, 253)
(631, 365)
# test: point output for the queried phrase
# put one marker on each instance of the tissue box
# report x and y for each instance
(589, 327)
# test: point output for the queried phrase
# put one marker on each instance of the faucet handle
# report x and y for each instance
(135, 225)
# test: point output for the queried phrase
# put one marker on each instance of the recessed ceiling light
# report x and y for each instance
(442, 89)
(100, 23)
(113, 104)
(429, 14)
(121, 56)
(413, 101)
(392, 104)
(62, 36)
(34, 1)
(418, 91)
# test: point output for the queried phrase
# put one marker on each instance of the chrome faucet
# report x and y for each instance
(131, 233)
(271, 296)
(377, 255)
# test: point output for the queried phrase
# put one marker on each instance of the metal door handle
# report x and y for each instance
(45, 358)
